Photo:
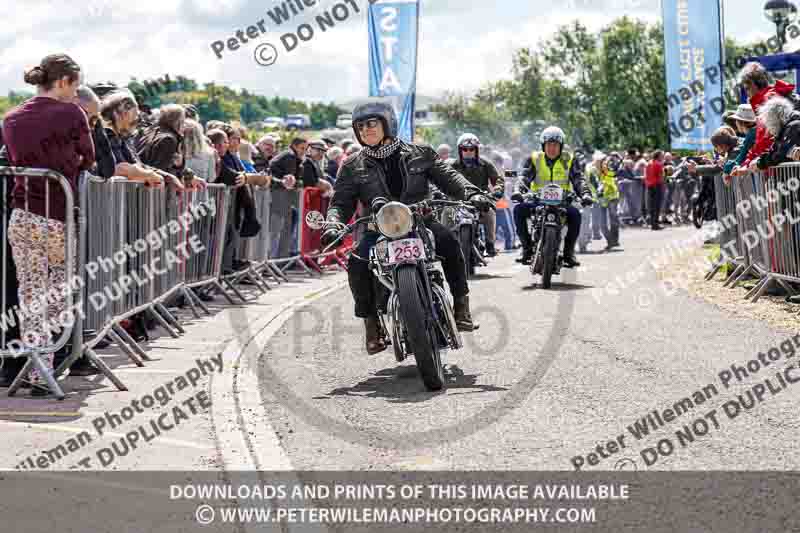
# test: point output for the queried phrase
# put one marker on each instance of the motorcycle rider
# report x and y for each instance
(551, 165)
(393, 169)
(482, 173)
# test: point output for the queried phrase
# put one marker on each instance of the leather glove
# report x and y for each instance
(328, 236)
(517, 197)
(498, 195)
(482, 202)
(586, 200)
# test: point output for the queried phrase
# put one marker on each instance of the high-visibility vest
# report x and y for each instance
(610, 189)
(545, 175)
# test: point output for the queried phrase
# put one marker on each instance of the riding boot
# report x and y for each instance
(490, 250)
(375, 342)
(570, 261)
(527, 254)
(463, 316)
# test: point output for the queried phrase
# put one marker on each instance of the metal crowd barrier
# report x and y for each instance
(631, 193)
(749, 259)
(257, 249)
(310, 245)
(287, 214)
(777, 251)
(204, 268)
(17, 347)
(727, 225)
(767, 235)
(136, 252)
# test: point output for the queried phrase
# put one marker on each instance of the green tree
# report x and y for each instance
(7, 103)
(603, 89)
(483, 115)
(633, 84)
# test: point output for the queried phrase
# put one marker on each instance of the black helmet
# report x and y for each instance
(381, 110)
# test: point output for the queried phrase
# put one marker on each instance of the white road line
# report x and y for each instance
(239, 381)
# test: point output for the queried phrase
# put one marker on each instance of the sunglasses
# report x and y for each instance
(371, 123)
(468, 149)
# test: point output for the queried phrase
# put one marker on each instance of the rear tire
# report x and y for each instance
(419, 335)
(549, 252)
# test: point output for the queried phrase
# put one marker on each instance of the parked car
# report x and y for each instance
(344, 122)
(299, 122)
(273, 123)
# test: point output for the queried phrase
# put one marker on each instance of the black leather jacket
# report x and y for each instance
(361, 178)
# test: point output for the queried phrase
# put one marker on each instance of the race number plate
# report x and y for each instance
(552, 194)
(406, 250)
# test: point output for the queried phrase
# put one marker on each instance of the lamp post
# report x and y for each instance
(781, 13)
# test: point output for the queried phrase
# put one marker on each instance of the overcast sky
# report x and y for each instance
(463, 43)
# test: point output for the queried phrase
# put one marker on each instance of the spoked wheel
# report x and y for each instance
(397, 332)
(420, 334)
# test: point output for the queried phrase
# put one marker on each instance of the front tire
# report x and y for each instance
(549, 253)
(420, 336)
(465, 239)
(697, 215)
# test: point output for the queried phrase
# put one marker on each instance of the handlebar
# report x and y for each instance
(415, 208)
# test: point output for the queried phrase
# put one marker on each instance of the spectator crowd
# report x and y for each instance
(70, 128)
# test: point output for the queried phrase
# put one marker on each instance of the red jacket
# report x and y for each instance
(764, 139)
(654, 174)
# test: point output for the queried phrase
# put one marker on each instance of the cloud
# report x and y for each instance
(463, 43)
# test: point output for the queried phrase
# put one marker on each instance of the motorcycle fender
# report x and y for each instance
(456, 340)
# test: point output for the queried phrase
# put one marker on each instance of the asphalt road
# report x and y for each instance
(549, 376)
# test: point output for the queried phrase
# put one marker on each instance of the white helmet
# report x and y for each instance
(468, 140)
(553, 134)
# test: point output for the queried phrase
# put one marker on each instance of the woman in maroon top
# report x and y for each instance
(48, 131)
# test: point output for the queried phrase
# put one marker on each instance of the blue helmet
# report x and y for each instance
(381, 110)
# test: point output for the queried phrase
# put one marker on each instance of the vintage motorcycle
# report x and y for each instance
(415, 303)
(548, 227)
(464, 221)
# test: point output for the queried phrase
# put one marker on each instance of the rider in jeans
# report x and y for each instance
(398, 171)
(551, 165)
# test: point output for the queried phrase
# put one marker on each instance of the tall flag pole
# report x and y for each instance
(693, 59)
(393, 38)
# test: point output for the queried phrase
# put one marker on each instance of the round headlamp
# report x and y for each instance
(395, 220)
(551, 217)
